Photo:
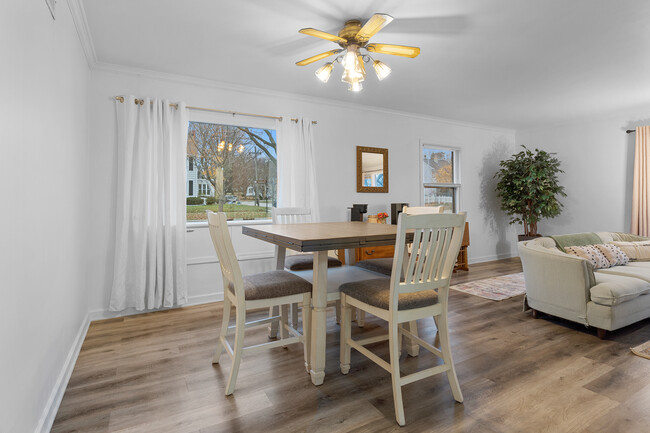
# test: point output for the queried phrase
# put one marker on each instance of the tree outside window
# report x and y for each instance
(237, 167)
(440, 178)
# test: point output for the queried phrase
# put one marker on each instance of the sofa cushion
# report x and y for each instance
(627, 237)
(590, 253)
(640, 265)
(635, 250)
(616, 289)
(615, 256)
(543, 242)
(631, 270)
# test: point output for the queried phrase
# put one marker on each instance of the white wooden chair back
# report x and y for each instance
(436, 242)
(290, 215)
(222, 242)
(421, 210)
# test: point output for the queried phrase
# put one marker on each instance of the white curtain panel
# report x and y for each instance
(297, 166)
(641, 185)
(150, 260)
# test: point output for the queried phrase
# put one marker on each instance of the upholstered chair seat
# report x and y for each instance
(273, 284)
(304, 262)
(376, 293)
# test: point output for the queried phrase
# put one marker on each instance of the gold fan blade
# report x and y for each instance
(395, 50)
(322, 35)
(317, 57)
(374, 24)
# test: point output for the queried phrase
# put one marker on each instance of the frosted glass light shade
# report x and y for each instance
(355, 86)
(324, 72)
(353, 69)
(381, 69)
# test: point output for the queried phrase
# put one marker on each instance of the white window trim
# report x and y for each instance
(457, 185)
(229, 119)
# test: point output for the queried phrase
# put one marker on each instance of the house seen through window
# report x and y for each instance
(231, 169)
(440, 178)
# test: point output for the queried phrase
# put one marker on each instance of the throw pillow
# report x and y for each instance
(591, 254)
(615, 256)
(635, 250)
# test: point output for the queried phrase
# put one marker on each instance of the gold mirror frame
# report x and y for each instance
(360, 151)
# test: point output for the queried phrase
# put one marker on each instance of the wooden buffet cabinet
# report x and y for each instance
(388, 251)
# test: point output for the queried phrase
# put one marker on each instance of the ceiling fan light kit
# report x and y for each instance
(355, 49)
(325, 72)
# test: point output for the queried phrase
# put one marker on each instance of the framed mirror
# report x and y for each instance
(372, 169)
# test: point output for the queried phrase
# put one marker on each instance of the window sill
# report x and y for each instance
(200, 224)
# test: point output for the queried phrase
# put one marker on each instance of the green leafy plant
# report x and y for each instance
(529, 189)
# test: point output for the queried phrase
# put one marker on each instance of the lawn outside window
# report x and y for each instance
(231, 167)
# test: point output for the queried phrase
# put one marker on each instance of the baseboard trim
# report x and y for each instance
(191, 300)
(204, 299)
(53, 403)
(493, 257)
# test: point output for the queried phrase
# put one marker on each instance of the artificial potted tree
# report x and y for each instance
(529, 189)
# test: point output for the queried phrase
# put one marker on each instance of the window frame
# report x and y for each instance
(233, 120)
(457, 183)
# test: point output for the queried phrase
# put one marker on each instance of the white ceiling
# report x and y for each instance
(511, 63)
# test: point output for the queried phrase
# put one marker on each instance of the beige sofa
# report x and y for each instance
(567, 286)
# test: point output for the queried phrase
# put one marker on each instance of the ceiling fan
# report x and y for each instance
(354, 52)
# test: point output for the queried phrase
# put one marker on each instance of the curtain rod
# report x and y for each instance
(629, 131)
(214, 110)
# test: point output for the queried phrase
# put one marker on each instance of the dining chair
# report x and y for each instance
(300, 262)
(418, 288)
(385, 265)
(275, 288)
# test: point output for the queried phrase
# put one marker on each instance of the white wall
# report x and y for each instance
(44, 190)
(340, 129)
(597, 157)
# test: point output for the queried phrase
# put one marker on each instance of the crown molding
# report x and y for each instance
(203, 82)
(628, 117)
(81, 24)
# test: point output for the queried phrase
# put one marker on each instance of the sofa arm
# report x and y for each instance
(556, 283)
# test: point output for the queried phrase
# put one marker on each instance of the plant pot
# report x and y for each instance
(527, 238)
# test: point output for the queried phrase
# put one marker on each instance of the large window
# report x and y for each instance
(234, 169)
(440, 180)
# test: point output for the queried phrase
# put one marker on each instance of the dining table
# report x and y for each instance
(319, 239)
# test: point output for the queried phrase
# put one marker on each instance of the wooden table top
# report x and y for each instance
(324, 236)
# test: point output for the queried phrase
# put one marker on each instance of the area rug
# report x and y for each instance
(642, 350)
(495, 289)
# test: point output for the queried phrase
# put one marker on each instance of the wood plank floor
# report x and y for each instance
(153, 373)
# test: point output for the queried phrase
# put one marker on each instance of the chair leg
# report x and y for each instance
(273, 326)
(346, 334)
(294, 316)
(306, 328)
(445, 347)
(284, 321)
(393, 343)
(412, 347)
(238, 349)
(225, 320)
(337, 308)
(361, 318)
